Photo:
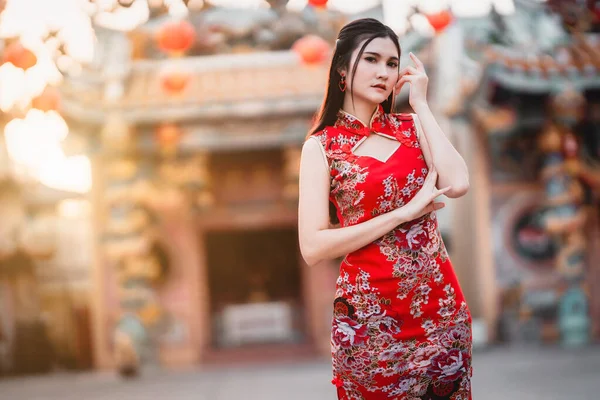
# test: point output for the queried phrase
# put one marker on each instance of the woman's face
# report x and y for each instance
(376, 72)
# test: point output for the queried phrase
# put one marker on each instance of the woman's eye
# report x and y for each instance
(370, 59)
(393, 65)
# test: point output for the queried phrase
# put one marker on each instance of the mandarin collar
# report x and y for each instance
(352, 124)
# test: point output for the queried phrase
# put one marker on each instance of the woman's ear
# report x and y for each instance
(342, 71)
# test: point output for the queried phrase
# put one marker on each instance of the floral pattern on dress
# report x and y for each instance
(415, 251)
(401, 328)
(366, 346)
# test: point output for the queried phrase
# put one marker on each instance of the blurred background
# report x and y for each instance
(149, 154)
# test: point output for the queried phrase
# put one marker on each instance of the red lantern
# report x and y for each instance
(174, 82)
(311, 49)
(176, 37)
(19, 56)
(318, 3)
(48, 100)
(439, 21)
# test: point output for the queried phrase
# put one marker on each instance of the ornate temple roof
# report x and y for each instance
(529, 52)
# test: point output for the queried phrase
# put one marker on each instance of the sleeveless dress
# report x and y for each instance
(401, 328)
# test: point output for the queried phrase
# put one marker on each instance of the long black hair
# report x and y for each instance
(350, 37)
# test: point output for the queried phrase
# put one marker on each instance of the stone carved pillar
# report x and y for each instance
(565, 218)
(127, 245)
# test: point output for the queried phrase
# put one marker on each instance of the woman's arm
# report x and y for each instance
(317, 241)
(436, 147)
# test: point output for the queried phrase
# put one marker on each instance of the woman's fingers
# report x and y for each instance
(443, 191)
(418, 62)
(409, 70)
(436, 193)
(432, 175)
(399, 85)
(438, 206)
(405, 79)
(402, 81)
(431, 179)
(433, 206)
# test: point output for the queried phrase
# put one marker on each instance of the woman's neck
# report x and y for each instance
(361, 110)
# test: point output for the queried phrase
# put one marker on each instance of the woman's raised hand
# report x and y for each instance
(424, 201)
(417, 78)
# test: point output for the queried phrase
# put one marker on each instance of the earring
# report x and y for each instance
(342, 83)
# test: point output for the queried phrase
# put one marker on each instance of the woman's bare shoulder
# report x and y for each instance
(314, 147)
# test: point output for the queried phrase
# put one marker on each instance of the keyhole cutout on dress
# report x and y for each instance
(377, 146)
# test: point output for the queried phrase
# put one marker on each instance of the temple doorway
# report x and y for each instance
(255, 286)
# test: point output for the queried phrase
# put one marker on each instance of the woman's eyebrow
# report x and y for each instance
(379, 55)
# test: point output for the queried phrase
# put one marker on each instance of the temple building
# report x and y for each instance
(188, 252)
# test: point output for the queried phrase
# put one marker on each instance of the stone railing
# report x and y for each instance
(249, 85)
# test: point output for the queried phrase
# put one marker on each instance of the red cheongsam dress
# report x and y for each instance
(401, 328)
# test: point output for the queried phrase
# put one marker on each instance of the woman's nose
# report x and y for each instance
(382, 71)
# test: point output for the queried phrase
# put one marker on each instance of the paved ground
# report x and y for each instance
(515, 374)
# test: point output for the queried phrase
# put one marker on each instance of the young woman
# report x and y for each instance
(401, 327)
